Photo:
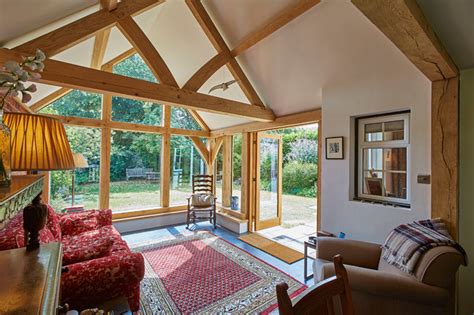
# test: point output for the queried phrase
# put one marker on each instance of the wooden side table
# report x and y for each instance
(312, 246)
(30, 280)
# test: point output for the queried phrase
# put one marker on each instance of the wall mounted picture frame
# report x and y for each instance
(335, 148)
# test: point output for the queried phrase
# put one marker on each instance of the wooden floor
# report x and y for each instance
(295, 270)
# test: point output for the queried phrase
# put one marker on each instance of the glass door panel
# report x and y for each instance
(269, 166)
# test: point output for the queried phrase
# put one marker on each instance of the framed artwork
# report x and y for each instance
(335, 148)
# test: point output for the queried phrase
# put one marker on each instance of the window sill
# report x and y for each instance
(383, 203)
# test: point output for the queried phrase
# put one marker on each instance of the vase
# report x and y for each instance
(5, 153)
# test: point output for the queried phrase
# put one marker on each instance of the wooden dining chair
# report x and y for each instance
(320, 298)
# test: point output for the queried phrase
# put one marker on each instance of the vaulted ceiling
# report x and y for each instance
(331, 42)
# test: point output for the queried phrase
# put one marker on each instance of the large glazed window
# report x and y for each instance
(134, 171)
(383, 159)
(76, 104)
(185, 161)
(236, 172)
(85, 141)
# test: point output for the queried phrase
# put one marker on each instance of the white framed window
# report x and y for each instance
(383, 159)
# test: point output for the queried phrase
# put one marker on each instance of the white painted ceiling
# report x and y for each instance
(332, 42)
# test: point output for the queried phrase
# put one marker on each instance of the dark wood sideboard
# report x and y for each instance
(29, 280)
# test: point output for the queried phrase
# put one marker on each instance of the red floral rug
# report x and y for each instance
(204, 274)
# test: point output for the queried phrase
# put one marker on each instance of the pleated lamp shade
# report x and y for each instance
(38, 143)
(80, 160)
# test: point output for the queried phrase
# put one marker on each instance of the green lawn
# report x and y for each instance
(135, 195)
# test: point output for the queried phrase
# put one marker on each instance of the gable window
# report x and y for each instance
(383, 156)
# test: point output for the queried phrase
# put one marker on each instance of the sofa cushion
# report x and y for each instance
(86, 246)
(53, 223)
(9, 232)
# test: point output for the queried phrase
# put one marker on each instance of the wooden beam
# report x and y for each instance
(105, 151)
(199, 120)
(286, 16)
(227, 171)
(150, 55)
(216, 39)
(202, 149)
(100, 45)
(119, 58)
(444, 152)
(287, 121)
(165, 159)
(77, 77)
(71, 34)
(215, 148)
(124, 126)
(109, 4)
(402, 21)
(45, 101)
(206, 71)
(320, 160)
(245, 178)
(145, 48)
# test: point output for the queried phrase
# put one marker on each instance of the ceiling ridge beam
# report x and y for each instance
(403, 22)
(73, 33)
(220, 45)
(283, 18)
(83, 78)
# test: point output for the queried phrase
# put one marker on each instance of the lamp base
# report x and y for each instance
(34, 220)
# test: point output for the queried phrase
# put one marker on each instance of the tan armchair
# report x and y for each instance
(380, 288)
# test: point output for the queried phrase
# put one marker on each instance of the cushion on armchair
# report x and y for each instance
(202, 200)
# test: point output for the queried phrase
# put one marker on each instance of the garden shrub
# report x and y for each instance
(300, 179)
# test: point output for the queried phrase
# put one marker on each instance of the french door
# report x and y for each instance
(268, 181)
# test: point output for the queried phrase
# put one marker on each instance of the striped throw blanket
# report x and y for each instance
(408, 242)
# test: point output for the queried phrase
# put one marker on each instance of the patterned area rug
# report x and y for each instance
(204, 274)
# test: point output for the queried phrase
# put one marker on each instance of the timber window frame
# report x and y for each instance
(379, 138)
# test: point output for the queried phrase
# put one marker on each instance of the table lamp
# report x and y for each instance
(38, 143)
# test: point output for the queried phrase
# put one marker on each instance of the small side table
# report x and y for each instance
(312, 246)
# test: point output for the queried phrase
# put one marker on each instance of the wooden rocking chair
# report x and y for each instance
(202, 203)
(320, 298)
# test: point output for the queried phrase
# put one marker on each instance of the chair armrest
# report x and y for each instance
(355, 253)
(391, 285)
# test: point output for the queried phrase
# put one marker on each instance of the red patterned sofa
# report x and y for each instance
(100, 265)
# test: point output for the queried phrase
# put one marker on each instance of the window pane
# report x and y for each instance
(185, 161)
(134, 171)
(396, 185)
(373, 159)
(134, 67)
(236, 171)
(86, 189)
(372, 184)
(395, 159)
(76, 104)
(180, 118)
(373, 132)
(394, 130)
(269, 169)
(134, 111)
(218, 169)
